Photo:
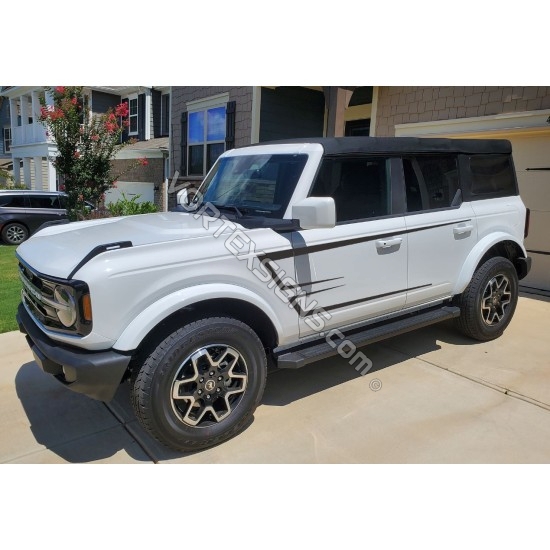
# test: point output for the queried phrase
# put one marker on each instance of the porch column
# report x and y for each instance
(38, 131)
(38, 183)
(51, 176)
(24, 106)
(35, 106)
(27, 172)
(17, 170)
(337, 101)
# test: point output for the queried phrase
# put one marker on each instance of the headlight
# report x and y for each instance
(58, 304)
(66, 306)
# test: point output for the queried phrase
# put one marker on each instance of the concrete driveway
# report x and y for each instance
(431, 397)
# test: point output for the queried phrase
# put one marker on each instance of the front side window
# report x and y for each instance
(7, 140)
(206, 139)
(133, 115)
(260, 185)
(360, 187)
(492, 174)
(431, 182)
(12, 201)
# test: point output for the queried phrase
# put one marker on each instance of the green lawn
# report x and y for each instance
(10, 288)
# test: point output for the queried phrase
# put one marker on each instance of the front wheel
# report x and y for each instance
(201, 385)
(489, 301)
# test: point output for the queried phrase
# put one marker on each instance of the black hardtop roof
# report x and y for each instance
(358, 145)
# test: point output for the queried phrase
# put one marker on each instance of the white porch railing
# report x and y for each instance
(29, 133)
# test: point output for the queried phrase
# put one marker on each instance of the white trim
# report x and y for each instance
(208, 102)
(374, 111)
(148, 103)
(507, 123)
(256, 110)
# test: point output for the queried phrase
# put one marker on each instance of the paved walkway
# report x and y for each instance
(440, 398)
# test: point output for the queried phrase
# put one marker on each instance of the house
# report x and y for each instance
(210, 119)
(32, 150)
(5, 137)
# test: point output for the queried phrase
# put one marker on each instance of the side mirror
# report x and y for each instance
(315, 213)
(183, 197)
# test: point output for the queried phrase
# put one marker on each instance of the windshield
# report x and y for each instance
(260, 185)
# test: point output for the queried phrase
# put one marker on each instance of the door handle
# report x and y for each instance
(461, 229)
(388, 243)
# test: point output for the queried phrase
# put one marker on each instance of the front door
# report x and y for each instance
(358, 269)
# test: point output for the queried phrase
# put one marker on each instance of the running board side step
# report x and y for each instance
(301, 357)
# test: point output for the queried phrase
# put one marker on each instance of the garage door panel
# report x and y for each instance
(534, 188)
(539, 232)
(539, 276)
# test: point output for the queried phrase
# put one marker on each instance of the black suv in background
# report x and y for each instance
(23, 212)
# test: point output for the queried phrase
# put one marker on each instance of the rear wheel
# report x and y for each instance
(489, 301)
(14, 233)
(201, 385)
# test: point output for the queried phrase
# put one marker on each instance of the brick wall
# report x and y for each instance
(406, 104)
(242, 95)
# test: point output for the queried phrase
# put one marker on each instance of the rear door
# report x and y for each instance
(441, 227)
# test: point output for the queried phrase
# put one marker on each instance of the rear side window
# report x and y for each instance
(431, 182)
(360, 187)
(12, 201)
(44, 201)
(492, 174)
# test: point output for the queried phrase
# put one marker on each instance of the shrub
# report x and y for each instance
(130, 207)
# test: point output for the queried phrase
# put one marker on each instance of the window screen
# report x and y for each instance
(360, 187)
(431, 182)
(492, 174)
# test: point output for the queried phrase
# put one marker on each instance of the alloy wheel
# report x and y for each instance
(496, 298)
(209, 385)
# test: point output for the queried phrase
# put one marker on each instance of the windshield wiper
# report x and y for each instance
(240, 212)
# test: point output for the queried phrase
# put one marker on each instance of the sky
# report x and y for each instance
(291, 42)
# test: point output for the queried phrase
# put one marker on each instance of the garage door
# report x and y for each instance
(532, 161)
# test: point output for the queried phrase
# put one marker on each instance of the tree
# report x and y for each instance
(86, 145)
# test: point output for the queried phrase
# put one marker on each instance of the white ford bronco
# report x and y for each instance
(289, 252)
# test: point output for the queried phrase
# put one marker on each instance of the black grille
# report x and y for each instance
(36, 294)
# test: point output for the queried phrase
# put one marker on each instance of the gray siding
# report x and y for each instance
(409, 104)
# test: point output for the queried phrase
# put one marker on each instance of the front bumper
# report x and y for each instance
(96, 374)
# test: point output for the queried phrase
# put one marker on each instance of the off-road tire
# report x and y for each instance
(496, 277)
(191, 348)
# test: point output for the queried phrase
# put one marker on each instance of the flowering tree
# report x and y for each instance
(86, 145)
